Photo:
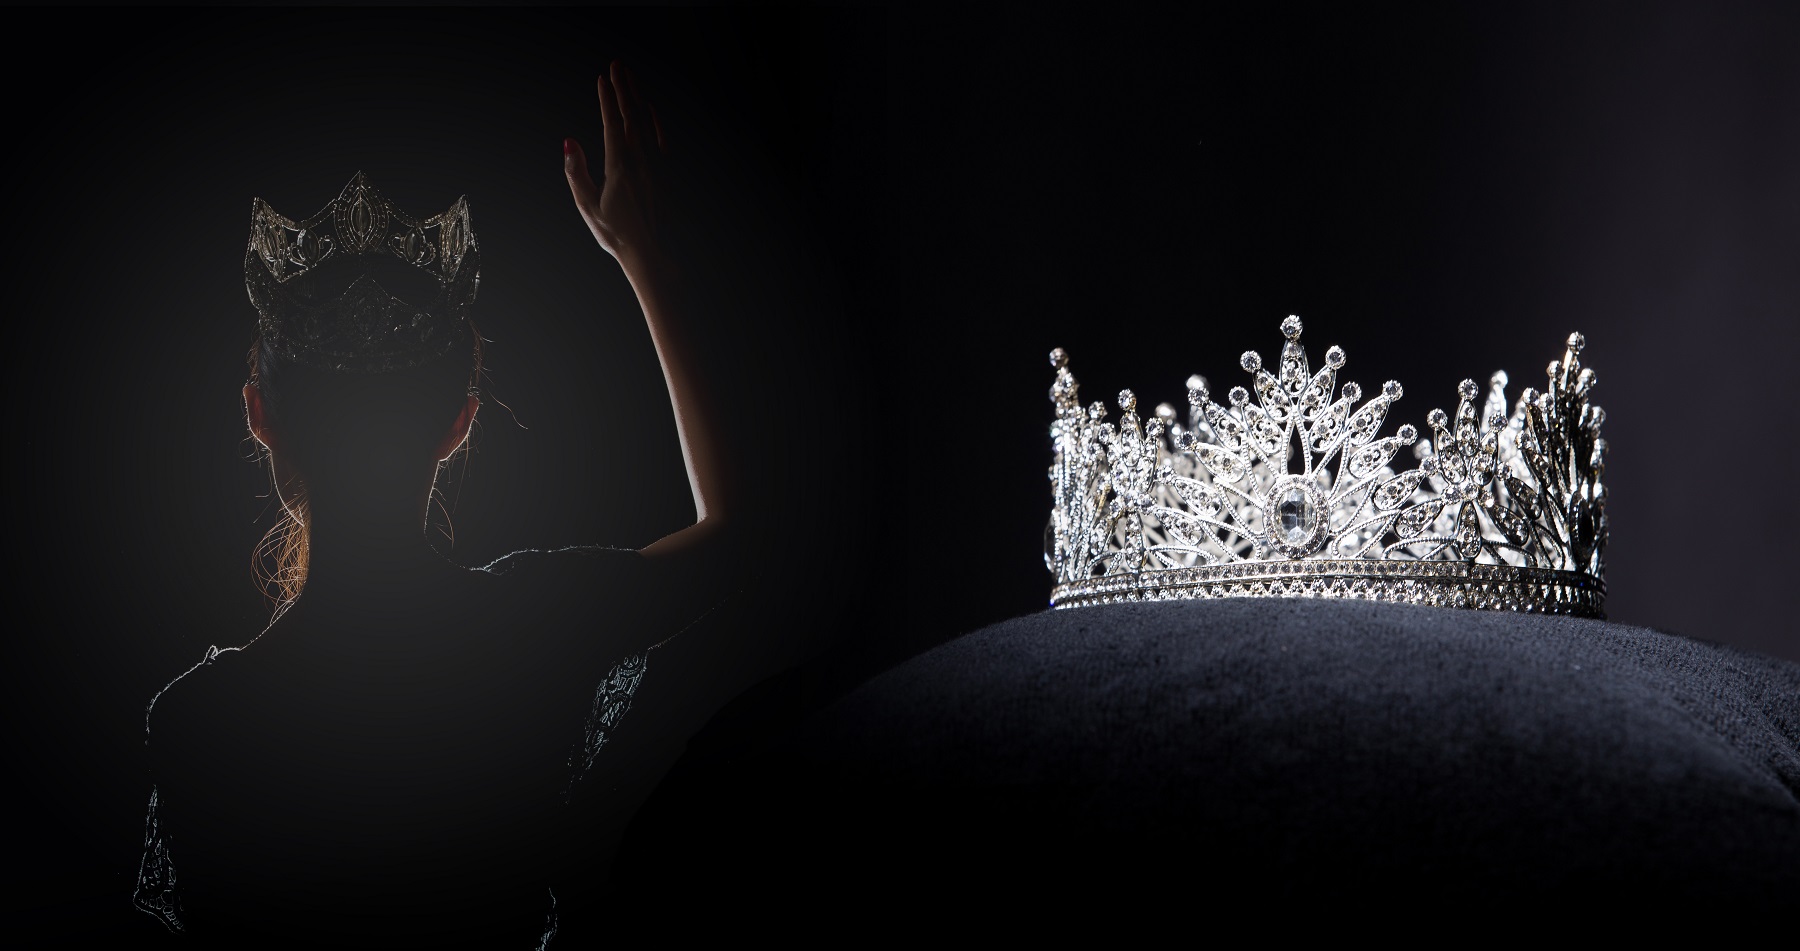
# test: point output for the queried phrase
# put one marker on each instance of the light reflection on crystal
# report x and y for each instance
(1296, 520)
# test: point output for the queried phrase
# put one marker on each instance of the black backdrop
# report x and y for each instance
(1443, 189)
(908, 208)
(132, 164)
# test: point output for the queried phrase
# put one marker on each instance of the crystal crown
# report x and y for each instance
(316, 297)
(1290, 491)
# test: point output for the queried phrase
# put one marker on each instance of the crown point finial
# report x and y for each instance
(1334, 358)
(1251, 360)
(1408, 433)
(1351, 391)
(1577, 342)
(1467, 389)
(1128, 401)
(1290, 328)
(1499, 379)
(1059, 358)
(1391, 389)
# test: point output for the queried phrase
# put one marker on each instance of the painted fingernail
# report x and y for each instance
(568, 146)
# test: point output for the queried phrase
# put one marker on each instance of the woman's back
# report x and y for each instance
(399, 772)
(391, 761)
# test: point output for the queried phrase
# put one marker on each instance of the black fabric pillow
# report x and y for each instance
(1263, 753)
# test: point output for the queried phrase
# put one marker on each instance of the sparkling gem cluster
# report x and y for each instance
(1290, 490)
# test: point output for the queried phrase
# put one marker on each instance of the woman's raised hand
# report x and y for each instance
(621, 211)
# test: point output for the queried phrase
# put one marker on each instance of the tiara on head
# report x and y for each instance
(318, 304)
(1288, 492)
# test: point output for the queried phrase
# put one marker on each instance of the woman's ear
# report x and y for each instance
(257, 416)
(459, 430)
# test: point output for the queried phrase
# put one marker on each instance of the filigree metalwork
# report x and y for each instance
(1290, 490)
(318, 305)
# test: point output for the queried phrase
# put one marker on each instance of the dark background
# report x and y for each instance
(1442, 189)
(904, 210)
(134, 152)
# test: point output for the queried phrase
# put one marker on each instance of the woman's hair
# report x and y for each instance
(349, 428)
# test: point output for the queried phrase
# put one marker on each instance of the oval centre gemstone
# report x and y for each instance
(1294, 514)
(360, 217)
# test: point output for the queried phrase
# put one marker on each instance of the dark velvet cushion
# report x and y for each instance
(1258, 751)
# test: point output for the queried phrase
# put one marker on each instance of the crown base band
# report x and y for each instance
(1439, 584)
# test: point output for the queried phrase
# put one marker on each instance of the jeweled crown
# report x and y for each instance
(318, 302)
(1290, 491)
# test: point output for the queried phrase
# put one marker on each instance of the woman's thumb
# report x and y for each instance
(581, 184)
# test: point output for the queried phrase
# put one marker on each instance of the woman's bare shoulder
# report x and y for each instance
(588, 588)
(575, 558)
(172, 711)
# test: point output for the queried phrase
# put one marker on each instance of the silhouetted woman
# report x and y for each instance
(387, 762)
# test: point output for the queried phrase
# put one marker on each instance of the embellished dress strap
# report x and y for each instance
(611, 702)
(157, 892)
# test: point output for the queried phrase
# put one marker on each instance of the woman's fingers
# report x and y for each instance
(611, 120)
(631, 105)
(581, 184)
(628, 119)
(619, 209)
